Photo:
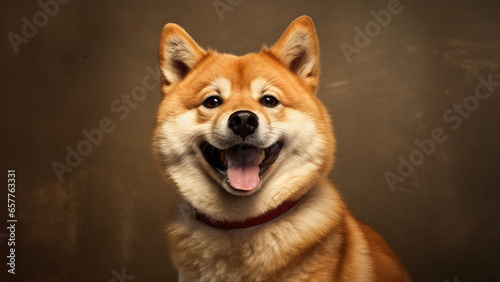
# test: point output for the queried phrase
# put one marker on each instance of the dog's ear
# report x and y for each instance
(298, 50)
(178, 54)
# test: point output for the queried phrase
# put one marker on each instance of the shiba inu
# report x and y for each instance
(248, 147)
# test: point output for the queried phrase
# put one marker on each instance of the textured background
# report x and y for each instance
(109, 212)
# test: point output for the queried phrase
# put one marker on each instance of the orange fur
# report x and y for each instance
(319, 239)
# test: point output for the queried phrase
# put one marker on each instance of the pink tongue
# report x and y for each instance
(243, 168)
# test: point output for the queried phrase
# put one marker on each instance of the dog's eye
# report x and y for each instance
(269, 101)
(212, 102)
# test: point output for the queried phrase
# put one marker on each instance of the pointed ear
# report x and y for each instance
(178, 54)
(298, 50)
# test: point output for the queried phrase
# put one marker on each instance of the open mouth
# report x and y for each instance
(243, 164)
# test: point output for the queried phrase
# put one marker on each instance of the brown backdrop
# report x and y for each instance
(106, 216)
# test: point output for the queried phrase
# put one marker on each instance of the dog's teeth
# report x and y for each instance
(262, 155)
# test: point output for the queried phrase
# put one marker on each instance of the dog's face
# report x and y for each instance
(240, 135)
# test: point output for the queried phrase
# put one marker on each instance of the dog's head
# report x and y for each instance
(240, 135)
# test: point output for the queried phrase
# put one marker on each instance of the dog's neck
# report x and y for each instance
(254, 221)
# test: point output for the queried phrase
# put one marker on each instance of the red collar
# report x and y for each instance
(270, 215)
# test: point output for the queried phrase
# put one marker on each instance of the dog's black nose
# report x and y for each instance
(243, 123)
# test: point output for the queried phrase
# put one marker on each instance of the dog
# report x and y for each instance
(248, 147)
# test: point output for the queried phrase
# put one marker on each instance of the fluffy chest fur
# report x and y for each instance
(283, 249)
